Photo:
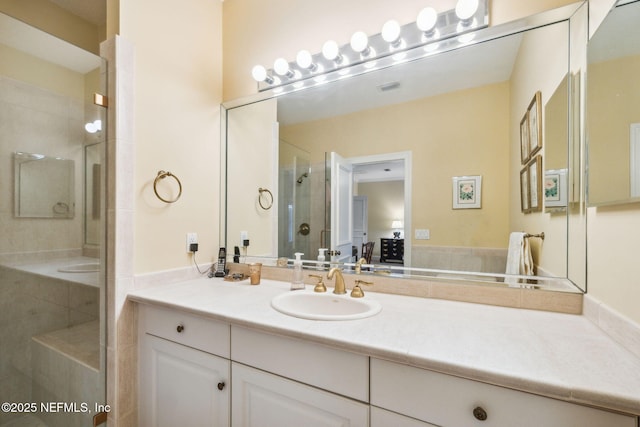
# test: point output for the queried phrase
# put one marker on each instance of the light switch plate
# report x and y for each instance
(422, 234)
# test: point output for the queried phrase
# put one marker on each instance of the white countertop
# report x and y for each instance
(557, 355)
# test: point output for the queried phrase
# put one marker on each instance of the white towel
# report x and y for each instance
(519, 259)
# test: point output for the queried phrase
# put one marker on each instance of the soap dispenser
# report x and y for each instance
(321, 258)
(296, 282)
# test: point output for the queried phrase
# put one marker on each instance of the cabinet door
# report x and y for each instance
(181, 386)
(261, 399)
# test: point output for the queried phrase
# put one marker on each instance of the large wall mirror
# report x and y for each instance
(613, 108)
(410, 140)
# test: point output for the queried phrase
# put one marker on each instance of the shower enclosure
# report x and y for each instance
(52, 222)
(294, 220)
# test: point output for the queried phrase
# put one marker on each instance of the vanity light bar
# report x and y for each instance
(365, 53)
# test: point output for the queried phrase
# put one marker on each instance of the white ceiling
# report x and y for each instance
(471, 66)
(618, 35)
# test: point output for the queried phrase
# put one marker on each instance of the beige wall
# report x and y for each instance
(543, 69)
(613, 232)
(430, 128)
(612, 108)
(177, 87)
(253, 157)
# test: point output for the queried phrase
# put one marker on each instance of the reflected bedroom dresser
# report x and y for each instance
(392, 250)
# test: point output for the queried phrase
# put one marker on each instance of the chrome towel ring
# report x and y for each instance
(163, 175)
(269, 201)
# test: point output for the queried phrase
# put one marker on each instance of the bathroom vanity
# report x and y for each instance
(214, 350)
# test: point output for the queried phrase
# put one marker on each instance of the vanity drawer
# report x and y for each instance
(334, 370)
(194, 331)
(451, 401)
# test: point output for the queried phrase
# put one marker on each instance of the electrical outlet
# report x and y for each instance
(191, 238)
(422, 234)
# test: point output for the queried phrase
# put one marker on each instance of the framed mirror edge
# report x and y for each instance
(542, 19)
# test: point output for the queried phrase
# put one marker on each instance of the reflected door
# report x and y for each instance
(360, 222)
(341, 208)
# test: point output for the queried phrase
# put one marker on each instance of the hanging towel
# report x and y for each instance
(519, 259)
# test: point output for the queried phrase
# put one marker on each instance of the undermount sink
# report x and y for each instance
(324, 306)
(89, 267)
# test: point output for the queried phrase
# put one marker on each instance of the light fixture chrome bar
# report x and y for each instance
(449, 29)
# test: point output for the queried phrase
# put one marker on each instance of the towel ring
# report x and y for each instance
(163, 175)
(270, 202)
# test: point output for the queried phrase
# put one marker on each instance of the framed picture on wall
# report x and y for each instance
(524, 139)
(534, 114)
(524, 190)
(535, 184)
(467, 192)
(555, 188)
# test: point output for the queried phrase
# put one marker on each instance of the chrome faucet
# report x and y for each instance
(339, 288)
(359, 265)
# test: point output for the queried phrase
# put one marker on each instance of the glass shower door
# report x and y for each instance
(52, 223)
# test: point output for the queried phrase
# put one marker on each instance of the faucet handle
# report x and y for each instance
(320, 287)
(357, 291)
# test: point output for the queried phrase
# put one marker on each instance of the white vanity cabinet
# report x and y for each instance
(184, 370)
(449, 401)
(261, 399)
(286, 382)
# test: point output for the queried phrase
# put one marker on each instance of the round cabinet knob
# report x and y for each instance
(221, 386)
(479, 413)
(180, 328)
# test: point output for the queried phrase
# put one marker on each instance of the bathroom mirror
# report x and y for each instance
(43, 186)
(429, 122)
(613, 108)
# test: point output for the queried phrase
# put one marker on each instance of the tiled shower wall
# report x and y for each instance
(31, 305)
(34, 120)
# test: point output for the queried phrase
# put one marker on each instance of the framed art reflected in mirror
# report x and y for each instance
(524, 190)
(535, 184)
(534, 119)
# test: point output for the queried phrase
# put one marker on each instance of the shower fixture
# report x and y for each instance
(302, 177)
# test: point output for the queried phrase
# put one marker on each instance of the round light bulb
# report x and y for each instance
(281, 66)
(391, 31)
(427, 19)
(359, 41)
(259, 73)
(91, 128)
(304, 59)
(465, 9)
(330, 50)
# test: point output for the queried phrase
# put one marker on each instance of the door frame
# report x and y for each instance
(406, 157)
